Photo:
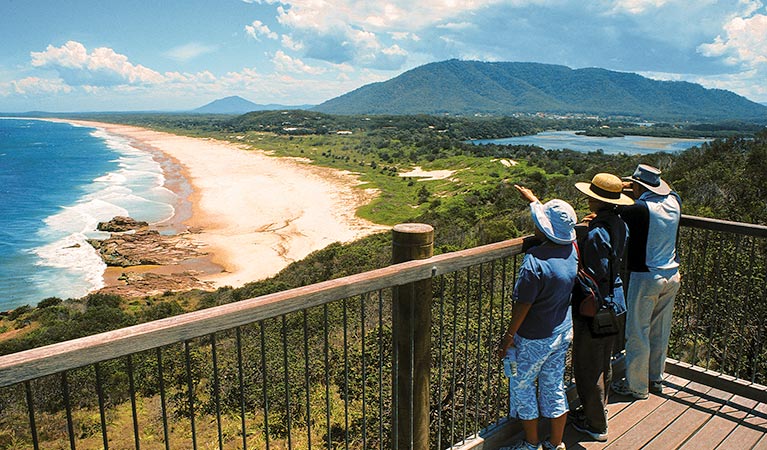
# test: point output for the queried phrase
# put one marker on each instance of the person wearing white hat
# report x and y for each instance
(653, 263)
(601, 253)
(540, 330)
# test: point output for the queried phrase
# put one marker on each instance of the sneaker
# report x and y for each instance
(546, 445)
(622, 387)
(522, 445)
(579, 424)
(656, 387)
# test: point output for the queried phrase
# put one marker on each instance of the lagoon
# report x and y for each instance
(631, 145)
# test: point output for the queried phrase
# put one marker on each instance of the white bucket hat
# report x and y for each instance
(556, 219)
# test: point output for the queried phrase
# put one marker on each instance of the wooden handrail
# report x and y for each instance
(42, 361)
(55, 358)
(726, 226)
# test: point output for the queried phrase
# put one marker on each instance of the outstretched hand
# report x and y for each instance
(526, 193)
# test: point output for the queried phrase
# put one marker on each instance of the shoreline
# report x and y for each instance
(253, 214)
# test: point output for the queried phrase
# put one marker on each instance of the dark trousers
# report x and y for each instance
(593, 372)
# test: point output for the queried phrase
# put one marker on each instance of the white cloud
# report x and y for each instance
(258, 28)
(37, 86)
(393, 15)
(744, 42)
(741, 83)
(189, 51)
(284, 63)
(339, 31)
(404, 36)
(102, 67)
(456, 26)
(290, 44)
(637, 6)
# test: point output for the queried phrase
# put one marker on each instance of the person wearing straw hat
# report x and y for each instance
(601, 252)
(540, 330)
(653, 264)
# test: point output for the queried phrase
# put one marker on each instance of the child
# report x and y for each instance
(540, 331)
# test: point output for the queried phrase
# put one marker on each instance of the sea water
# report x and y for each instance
(57, 181)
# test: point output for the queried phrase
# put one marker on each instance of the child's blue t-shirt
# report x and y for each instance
(546, 280)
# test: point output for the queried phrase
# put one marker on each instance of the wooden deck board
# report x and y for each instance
(716, 428)
(739, 409)
(673, 430)
(687, 415)
(641, 435)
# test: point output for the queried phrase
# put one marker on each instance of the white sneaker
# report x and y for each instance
(546, 445)
(522, 445)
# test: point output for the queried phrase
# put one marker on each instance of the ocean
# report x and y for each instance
(57, 181)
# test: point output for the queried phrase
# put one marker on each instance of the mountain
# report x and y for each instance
(238, 105)
(504, 88)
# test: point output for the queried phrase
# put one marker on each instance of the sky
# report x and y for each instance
(170, 55)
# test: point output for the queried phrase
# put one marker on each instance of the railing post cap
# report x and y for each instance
(413, 228)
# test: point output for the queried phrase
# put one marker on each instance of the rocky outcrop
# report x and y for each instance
(120, 224)
(145, 247)
(131, 243)
(138, 284)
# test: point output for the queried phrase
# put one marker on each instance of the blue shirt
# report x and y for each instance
(545, 281)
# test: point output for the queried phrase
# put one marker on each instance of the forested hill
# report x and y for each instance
(504, 88)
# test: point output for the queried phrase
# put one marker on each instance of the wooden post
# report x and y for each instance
(411, 327)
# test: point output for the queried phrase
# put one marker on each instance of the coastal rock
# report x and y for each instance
(142, 284)
(145, 247)
(120, 224)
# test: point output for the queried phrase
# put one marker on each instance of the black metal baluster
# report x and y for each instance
(216, 389)
(241, 380)
(346, 376)
(31, 412)
(327, 376)
(439, 359)
(284, 337)
(132, 386)
(380, 370)
(306, 384)
(264, 383)
(478, 364)
(489, 376)
(500, 383)
(161, 381)
(190, 392)
(454, 352)
(68, 407)
(100, 394)
(466, 357)
(364, 372)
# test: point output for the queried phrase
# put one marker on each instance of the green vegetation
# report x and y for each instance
(476, 204)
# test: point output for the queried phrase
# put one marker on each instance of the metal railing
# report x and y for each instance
(320, 367)
(720, 314)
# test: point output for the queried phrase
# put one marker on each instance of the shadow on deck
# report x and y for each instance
(687, 415)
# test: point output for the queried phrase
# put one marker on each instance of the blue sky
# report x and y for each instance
(83, 55)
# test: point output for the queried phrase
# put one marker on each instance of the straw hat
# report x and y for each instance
(649, 177)
(556, 219)
(607, 188)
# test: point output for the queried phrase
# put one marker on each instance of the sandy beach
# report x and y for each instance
(252, 213)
